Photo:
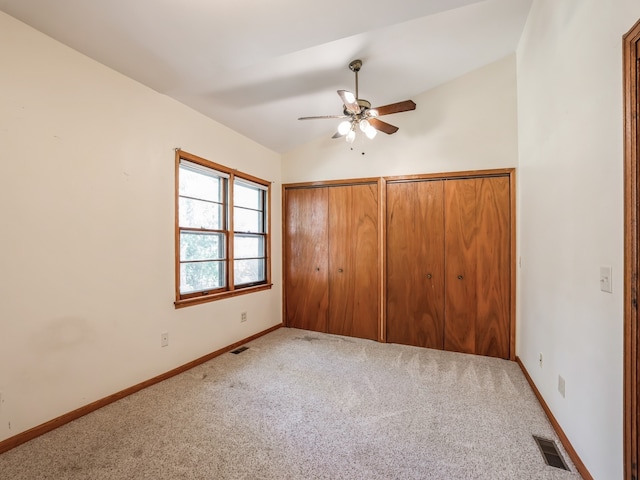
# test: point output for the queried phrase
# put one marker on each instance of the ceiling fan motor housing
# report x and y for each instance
(364, 106)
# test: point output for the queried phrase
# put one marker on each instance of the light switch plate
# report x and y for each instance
(605, 279)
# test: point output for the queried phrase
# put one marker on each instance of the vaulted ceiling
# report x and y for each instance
(256, 65)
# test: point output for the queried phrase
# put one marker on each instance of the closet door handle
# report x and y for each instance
(340, 270)
(460, 277)
(429, 275)
(317, 269)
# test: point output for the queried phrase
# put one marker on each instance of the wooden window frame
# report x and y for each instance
(230, 289)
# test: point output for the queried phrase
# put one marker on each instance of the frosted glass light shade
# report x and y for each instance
(351, 136)
(370, 132)
(344, 127)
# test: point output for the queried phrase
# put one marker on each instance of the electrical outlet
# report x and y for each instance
(561, 385)
(540, 360)
(243, 317)
(164, 339)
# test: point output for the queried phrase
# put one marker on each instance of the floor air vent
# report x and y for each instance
(240, 350)
(550, 453)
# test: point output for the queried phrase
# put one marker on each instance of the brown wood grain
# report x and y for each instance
(353, 261)
(512, 268)
(631, 74)
(383, 126)
(370, 312)
(460, 265)
(382, 260)
(415, 263)
(397, 107)
(451, 175)
(493, 282)
(306, 273)
(176, 229)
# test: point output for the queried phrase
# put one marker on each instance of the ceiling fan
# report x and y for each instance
(358, 113)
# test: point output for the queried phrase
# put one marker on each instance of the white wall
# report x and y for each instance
(87, 242)
(571, 217)
(466, 124)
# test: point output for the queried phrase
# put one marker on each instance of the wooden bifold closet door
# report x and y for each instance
(415, 263)
(449, 264)
(353, 261)
(331, 259)
(306, 250)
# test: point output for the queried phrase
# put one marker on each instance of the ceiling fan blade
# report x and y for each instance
(383, 126)
(323, 116)
(398, 107)
(350, 101)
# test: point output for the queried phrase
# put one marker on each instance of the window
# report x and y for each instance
(222, 237)
(249, 237)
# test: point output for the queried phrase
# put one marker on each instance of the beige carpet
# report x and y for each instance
(305, 405)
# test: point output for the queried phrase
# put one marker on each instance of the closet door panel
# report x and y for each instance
(415, 263)
(460, 265)
(306, 266)
(353, 261)
(494, 260)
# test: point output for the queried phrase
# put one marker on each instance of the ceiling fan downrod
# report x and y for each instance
(355, 67)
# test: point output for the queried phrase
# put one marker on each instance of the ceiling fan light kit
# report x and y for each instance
(357, 112)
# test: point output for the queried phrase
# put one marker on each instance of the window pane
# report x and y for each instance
(199, 214)
(201, 276)
(247, 196)
(201, 246)
(247, 220)
(248, 246)
(198, 185)
(249, 271)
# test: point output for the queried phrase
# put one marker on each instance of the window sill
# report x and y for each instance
(187, 302)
